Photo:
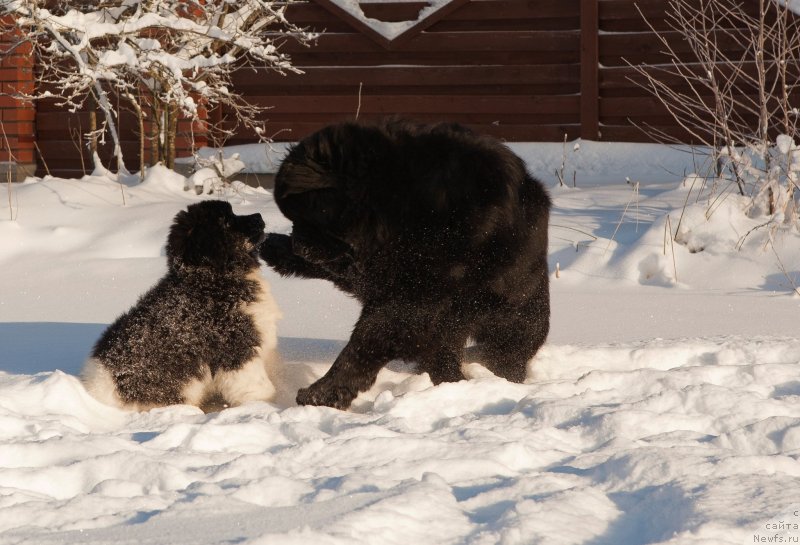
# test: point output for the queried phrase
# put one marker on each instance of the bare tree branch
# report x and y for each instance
(732, 89)
(165, 60)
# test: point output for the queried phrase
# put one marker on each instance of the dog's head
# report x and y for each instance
(208, 234)
(308, 191)
(322, 186)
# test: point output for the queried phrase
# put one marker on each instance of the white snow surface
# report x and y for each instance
(659, 411)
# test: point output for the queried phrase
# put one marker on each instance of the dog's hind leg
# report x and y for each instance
(441, 351)
(508, 338)
(442, 364)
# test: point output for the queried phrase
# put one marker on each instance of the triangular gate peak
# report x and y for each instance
(391, 33)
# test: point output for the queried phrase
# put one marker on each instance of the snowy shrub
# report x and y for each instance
(735, 100)
(165, 60)
(215, 172)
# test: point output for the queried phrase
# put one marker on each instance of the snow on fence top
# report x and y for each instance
(390, 30)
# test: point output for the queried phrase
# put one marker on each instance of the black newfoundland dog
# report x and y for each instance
(205, 334)
(439, 232)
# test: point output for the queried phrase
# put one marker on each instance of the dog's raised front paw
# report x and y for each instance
(276, 249)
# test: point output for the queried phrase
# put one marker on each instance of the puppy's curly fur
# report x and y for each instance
(205, 333)
(439, 232)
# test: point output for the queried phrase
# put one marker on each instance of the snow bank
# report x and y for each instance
(662, 410)
(592, 162)
(687, 441)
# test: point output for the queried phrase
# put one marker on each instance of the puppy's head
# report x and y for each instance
(208, 234)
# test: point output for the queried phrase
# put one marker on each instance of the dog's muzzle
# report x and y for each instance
(254, 226)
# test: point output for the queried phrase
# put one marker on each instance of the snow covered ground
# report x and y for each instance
(659, 411)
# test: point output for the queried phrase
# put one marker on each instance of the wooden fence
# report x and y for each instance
(505, 67)
(522, 70)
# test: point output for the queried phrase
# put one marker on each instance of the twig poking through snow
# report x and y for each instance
(672, 246)
(622, 217)
(783, 269)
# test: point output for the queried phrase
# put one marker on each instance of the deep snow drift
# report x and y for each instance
(659, 411)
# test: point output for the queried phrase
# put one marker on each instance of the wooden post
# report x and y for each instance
(590, 78)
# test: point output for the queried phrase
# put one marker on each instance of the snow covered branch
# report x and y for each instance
(165, 59)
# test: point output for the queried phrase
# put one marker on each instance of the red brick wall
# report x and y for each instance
(17, 116)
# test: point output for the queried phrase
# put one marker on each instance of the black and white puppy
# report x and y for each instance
(439, 232)
(205, 333)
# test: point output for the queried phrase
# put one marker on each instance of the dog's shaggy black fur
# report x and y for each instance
(439, 232)
(205, 330)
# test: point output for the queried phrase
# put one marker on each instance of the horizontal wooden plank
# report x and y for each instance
(388, 105)
(631, 15)
(653, 130)
(632, 133)
(646, 132)
(553, 89)
(63, 126)
(625, 9)
(247, 81)
(508, 132)
(645, 107)
(663, 120)
(512, 15)
(649, 51)
(631, 107)
(433, 58)
(647, 45)
(476, 10)
(477, 15)
(626, 77)
(628, 81)
(51, 117)
(429, 117)
(635, 24)
(461, 42)
(303, 13)
(62, 152)
(504, 25)
(515, 9)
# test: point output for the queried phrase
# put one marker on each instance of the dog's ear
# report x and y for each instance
(199, 236)
(306, 190)
(295, 178)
